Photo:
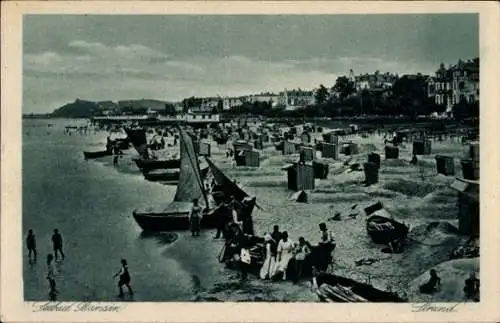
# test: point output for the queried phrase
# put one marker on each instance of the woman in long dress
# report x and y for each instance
(285, 253)
(269, 263)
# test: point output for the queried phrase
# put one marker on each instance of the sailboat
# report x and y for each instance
(175, 215)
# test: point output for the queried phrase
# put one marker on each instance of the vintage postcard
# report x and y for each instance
(250, 161)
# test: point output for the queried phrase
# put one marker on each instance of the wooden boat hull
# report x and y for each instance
(96, 154)
(175, 217)
(363, 292)
(169, 176)
(384, 235)
(147, 165)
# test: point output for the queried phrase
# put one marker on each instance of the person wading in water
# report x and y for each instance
(51, 276)
(124, 276)
(57, 243)
(31, 244)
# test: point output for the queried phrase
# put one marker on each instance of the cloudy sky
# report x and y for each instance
(172, 57)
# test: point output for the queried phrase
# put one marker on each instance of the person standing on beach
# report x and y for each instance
(31, 244)
(124, 278)
(51, 275)
(246, 217)
(302, 251)
(285, 254)
(195, 219)
(224, 215)
(267, 268)
(326, 246)
(276, 234)
(57, 243)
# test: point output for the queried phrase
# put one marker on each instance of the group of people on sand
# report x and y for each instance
(280, 250)
(52, 272)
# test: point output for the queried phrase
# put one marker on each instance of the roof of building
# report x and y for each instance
(377, 78)
(201, 109)
(299, 92)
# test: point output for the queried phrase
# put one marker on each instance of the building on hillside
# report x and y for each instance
(202, 109)
(263, 97)
(373, 81)
(209, 104)
(454, 84)
(229, 103)
(107, 107)
(179, 108)
(465, 76)
(439, 87)
(296, 99)
(200, 115)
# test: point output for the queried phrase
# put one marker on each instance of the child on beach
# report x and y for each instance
(124, 278)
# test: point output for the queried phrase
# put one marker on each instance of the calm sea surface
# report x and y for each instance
(91, 202)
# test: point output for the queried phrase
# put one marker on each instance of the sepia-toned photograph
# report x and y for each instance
(259, 157)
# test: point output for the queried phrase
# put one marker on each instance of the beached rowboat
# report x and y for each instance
(96, 154)
(333, 288)
(382, 229)
(169, 175)
(147, 165)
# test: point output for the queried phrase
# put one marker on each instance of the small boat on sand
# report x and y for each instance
(169, 175)
(338, 289)
(382, 229)
(138, 138)
(147, 165)
(96, 154)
